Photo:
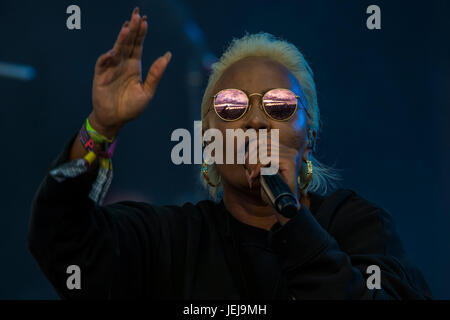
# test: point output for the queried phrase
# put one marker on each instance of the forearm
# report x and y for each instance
(64, 223)
(69, 223)
(59, 197)
(64, 193)
(316, 267)
(330, 274)
(67, 228)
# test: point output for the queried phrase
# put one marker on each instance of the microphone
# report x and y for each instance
(279, 194)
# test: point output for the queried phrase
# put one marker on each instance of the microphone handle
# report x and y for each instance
(279, 194)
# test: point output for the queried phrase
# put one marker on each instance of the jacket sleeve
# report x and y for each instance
(107, 243)
(334, 264)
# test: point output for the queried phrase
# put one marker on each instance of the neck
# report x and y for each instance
(250, 209)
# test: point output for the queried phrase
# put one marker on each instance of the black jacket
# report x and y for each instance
(200, 251)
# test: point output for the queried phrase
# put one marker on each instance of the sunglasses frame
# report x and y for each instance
(249, 106)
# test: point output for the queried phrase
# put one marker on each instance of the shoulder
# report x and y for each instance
(353, 219)
(143, 210)
(357, 209)
(345, 203)
(363, 228)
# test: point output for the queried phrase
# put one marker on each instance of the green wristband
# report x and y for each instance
(97, 137)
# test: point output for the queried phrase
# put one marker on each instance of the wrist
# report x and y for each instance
(97, 144)
(107, 131)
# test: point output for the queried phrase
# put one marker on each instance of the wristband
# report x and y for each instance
(89, 137)
(97, 137)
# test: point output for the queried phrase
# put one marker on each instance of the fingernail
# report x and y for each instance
(125, 25)
(168, 56)
(144, 18)
(136, 10)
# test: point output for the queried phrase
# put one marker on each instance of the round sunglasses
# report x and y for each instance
(278, 104)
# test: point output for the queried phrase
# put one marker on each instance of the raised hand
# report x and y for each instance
(118, 93)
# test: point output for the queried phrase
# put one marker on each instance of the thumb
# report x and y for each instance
(155, 73)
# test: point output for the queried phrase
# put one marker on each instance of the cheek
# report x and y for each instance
(222, 126)
(299, 121)
(215, 122)
(293, 132)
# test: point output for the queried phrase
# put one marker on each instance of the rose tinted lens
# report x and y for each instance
(280, 104)
(230, 104)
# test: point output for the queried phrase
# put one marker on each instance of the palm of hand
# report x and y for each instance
(119, 94)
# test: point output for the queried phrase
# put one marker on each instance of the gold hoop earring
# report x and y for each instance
(205, 175)
(309, 171)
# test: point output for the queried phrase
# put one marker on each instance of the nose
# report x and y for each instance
(255, 118)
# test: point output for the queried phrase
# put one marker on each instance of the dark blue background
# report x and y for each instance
(384, 98)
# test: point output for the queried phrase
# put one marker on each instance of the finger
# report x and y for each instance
(155, 73)
(251, 155)
(272, 149)
(268, 159)
(249, 179)
(139, 44)
(252, 174)
(104, 61)
(262, 153)
(119, 45)
(256, 170)
(134, 28)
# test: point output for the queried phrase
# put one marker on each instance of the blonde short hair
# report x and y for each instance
(266, 45)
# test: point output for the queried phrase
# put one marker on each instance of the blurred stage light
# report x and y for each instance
(17, 71)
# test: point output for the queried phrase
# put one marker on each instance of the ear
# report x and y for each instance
(311, 146)
(204, 129)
